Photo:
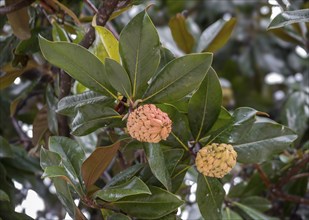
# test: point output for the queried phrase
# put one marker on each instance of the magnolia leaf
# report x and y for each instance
(154, 206)
(97, 162)
(135, 186)
(5, 148)
(181, 35)
(139, 47)
(210, 196)
(178, 78)
(69, 105)
(79, 63)
(157, 164)
(216, 35)
(205, 105)
(108, 46)
(289, 17)
(118, 77)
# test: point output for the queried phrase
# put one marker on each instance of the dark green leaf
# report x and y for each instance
(70, 104)
(289, 17)
(228, 214)
(254, 214)
(118, 77)
(89, 119)
(256, 202)
(262, 141)
(165, 58)
(209, 196)
(216, 35)
(125, 175)
(178, 78)
(5, 148)
(156, 205)
(79, 63)
(157, 164)
(205, 105)
(72, 157)
(180, 127)
(172, 158)
(181, 35)
(4, 197)
(139, 47)
(178, 176)
(97, 162)
(135, 186)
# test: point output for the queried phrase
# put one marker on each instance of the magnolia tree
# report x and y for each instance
(139, 124)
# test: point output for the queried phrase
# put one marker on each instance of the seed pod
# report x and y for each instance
(216, 160)
(148, 123)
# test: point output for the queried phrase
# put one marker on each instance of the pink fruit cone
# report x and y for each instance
(149, 124)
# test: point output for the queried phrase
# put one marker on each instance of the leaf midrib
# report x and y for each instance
(168, 85)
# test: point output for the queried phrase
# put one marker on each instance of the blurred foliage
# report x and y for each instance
(261, 63)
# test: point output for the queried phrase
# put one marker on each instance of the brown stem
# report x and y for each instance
(262, 175)
(291, 198)
(104, 12)
(15, 6)
(294, 170)
(93, 8)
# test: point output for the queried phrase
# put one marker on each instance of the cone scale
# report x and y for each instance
(216, 160)
(149, 124)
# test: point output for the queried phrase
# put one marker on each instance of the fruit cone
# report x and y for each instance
(148, 123)
(216, 160)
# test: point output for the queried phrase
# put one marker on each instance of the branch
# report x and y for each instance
(262, 175)
(15, 6)
(104, 12)
(294, 170)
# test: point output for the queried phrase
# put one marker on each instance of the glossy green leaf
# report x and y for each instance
(228, 214)
(254, 214)
(262, 141)
(209, 196)
(118, 77)
(72, 156)
(242, 121)
(154, 206)
(165, 57)
(51, 162)
(172, 157)
(205, 105)
(216, 35)
(89, 118)
(139, 47)
(223, 119)
(180, 127)
(178, 176)
(79, 63)
(49, 158)
(5, 148)
(70, 104)
(64, 195)
(125, 175)
(181, 35)
(178, 78)
(4, 197)
(107, 45)
(256, 202)
(289, 17)
(97, 162)
(157, 164)
(135, 186)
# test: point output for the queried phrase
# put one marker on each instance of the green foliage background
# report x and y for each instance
(199, 61)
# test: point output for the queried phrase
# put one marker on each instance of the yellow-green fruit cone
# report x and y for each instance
(149, 124)
(216, 160)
